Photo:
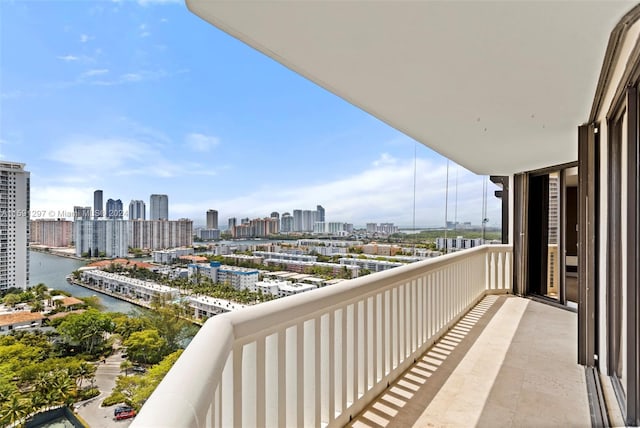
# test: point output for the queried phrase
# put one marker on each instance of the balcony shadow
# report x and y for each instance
(405, 400)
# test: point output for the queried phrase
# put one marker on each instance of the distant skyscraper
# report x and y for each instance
(275, 214)
(114, 209)
(14, 223)
(232, 223)
(308, 220)
(286, 223)
(97, 204)
(159, 207)
(137, 210)
(320, 213)
(212, 219)
(297, 221)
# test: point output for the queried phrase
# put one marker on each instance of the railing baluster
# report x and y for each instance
(331, 376)
(260, 382)
(237, 385)
(282, 377)
(300, 395)
(318, 356)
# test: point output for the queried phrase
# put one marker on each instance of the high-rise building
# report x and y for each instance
(212, 219)
(52, 233)
(114, 209)
(97, 204)
(159, 207)
(81, 213)
(320, 213)
(232, 222)
(286, 223)
(297, 221)
(308, 220)
(14, 225)
(275, 214)
(137, 210)
(113, 238)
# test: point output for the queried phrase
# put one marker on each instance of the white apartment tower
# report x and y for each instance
(137, 210)
(14, 225)
(159, 207)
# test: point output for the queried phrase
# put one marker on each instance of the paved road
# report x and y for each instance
(90, 410)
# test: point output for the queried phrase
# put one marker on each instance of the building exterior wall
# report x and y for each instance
(14, 225)
(52, 233)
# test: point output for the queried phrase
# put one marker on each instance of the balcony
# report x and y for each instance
(436, 342)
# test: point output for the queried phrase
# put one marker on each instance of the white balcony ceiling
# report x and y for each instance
(498, 87)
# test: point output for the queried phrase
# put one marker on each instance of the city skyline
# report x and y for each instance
(146, 110)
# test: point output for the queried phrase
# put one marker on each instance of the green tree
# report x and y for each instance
(11, 299)
(146, 346)
(37, 306)
(87, 330)
(126, 365)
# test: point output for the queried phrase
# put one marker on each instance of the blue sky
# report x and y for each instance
(144, 97)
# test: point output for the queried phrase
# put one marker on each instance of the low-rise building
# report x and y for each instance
(370, 264)
(129, 287)
(238, 277)
(23, 320)
(169, 256)
(206, 306)
(296, 288)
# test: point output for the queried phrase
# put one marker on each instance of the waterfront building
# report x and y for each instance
(14, 225)
(81, 213)
(98, 206)
(208, 234)
(101, 238)
(159, 207)
(160, 234)
(128, 287)
(137, 210)
(320, 213)
(112, 238)
(51, 233)
(212, 219)
(114, 209)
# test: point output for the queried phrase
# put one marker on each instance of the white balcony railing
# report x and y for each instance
(319, 358)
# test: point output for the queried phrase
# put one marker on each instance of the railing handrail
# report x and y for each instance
(247, 323)
(214, 344)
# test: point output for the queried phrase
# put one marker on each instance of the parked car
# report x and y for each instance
(121, 409)
(139, 369)
(125, 414)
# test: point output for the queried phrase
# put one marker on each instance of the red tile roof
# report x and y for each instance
(19, 317)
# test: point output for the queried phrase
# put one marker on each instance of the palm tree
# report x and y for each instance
(37, 306)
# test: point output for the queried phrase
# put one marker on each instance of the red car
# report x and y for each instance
(125, 414)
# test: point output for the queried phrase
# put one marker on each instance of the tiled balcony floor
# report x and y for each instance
(509, 362)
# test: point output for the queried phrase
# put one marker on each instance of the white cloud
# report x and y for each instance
(84, 38)
(145, 34)
(200, 142)
(94, 72)
(69, 58)
(381, 193)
